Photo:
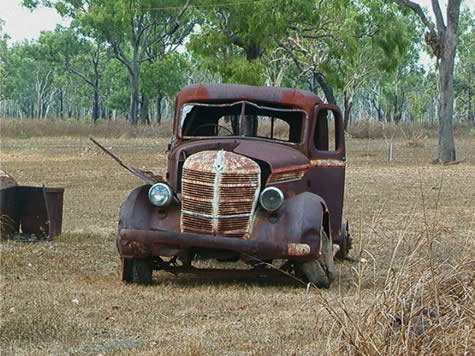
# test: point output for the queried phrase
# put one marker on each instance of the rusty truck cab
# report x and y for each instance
(314, 129)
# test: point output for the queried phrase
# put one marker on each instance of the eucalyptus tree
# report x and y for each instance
(130, 28)
(115, 89)
(235, 38)
(345, 44)
(442, 39)
(165, 78)
(81, 56)
(28, 79)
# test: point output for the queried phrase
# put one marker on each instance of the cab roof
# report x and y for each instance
(211, 92)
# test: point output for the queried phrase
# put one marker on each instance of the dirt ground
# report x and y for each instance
(66, 297)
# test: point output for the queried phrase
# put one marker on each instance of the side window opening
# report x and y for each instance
(324, 138)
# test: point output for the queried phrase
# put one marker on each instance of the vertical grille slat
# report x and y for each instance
(219, 193)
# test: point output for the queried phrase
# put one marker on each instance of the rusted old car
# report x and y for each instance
(254, 174)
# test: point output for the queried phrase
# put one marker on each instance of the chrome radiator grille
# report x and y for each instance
(219, 193)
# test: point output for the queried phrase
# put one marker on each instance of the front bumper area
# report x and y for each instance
(142, 243)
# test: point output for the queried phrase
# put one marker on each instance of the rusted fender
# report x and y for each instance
(297, 224)
(136, 212)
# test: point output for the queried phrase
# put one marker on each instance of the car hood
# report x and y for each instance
(279, 157)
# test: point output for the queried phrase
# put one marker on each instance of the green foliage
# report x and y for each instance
(166, 77)
(115, 87)
(233, 40)
(464, 77)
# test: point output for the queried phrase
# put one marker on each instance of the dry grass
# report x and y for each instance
(412, 223)
(416, 132)
(28, 128)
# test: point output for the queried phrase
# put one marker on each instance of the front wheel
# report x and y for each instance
(321, 271)
(137, 270)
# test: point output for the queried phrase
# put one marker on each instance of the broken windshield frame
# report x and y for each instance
(242, 118)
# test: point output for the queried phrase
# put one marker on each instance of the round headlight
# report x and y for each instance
(271, 199)
(160, 194)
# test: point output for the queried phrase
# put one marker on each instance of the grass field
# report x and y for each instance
(412, 222)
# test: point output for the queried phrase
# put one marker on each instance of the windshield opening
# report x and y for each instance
(241, 118)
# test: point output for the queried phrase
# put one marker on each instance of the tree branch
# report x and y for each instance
(418, 10)
(439, 19)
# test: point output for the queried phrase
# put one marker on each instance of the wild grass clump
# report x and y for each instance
(26, 128)
(428, 312)
(423, 307)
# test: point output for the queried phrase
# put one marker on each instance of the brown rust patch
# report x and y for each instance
(295, 249)
(327, 163)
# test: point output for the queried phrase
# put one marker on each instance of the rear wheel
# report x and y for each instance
(321, 271)
(137, 270)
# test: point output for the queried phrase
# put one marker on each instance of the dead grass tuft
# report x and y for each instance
(423, 307)
(409, 318)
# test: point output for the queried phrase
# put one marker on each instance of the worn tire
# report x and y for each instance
(320, 272)
(138, 270)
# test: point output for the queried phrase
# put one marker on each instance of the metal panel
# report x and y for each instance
(219, 193)
(31, 210)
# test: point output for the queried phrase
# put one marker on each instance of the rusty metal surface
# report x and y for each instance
(286, 235)
(231, 92)
(31, 210)
(258, 248)
(219, 193)
(298, 249)
(327, 163)
(278, 156)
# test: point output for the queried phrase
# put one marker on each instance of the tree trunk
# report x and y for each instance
(61, 104)
(95, 103)
(159, 109)
(397, 107)
(144, 117)
(470, 113)
(448, 41)
(134, 92)
(326, 89)
(348, 104)
(443, 44)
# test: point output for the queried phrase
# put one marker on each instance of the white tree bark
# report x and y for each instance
(443, 41)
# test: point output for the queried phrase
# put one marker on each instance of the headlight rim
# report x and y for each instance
(167, 201)
(280, 193)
